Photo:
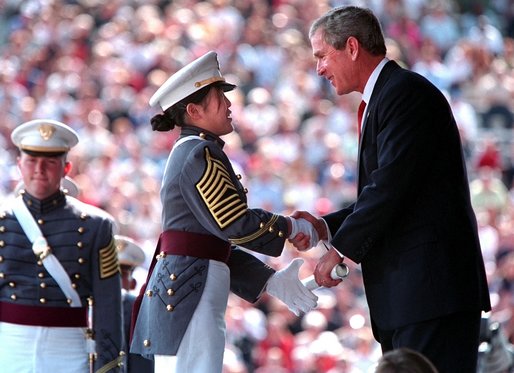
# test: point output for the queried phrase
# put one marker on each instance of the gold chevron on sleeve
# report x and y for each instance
(265, 229)
(108, 261)
(219, 192)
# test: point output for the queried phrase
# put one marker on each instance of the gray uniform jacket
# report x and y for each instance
(83, 243)
(201, 193)
(134, 363)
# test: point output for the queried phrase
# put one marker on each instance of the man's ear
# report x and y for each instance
(67, 167)
(353, 46)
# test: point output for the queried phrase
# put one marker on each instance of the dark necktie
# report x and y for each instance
(362, 106)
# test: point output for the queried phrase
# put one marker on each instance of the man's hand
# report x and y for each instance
(325, 266)
(286, 286)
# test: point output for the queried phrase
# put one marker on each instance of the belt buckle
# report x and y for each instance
(41, 248)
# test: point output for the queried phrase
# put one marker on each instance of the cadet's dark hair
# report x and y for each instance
(338, 24)
(175, 114)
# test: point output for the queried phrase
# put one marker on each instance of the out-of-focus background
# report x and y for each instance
(94, 64)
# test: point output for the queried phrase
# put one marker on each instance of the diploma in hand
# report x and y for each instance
(339, 272)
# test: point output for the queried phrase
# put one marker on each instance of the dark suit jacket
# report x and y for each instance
(412, 227)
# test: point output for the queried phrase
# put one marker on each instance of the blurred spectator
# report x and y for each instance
(488, 193)
(484, 33)
(266, 186)
(406, 32)
(431, 66)
(492, 92)
(261, 113)
(489, 238)
(460, 60)
(274, 351)
(502, 288)
(489, 155)
(440, 25)
(246, 327)
(467, 121)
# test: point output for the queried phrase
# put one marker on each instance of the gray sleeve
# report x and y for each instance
(248, 275)
(217, 198)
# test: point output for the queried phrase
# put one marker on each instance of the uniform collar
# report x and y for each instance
(42, 206)
(197, 131)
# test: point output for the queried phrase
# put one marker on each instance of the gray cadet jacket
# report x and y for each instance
(202, 195)
(83, 243)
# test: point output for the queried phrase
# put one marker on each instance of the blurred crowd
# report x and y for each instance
(94, 64)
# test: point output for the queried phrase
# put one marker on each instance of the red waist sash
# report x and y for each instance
(43, 316)
(198, 245)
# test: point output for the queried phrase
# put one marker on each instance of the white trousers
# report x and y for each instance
(39, 349)
(202, 347)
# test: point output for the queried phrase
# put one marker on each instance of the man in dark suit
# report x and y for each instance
(412, 227)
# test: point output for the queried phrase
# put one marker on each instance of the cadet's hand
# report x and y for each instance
(309, 237)
(286, 286)
(317, 223)
(303, 234)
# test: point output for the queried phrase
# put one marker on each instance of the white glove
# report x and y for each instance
(304, 226)
(286, 286)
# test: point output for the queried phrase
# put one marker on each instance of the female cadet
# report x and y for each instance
(180, 322)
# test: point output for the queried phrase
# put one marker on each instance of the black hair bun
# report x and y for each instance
(161, 123)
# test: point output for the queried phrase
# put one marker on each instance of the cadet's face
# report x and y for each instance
(217, 111)
(41, 175)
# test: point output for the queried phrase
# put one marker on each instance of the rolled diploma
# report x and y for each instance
(339, 272)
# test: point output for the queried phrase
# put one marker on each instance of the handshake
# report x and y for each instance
(305, 233)
(306, 230)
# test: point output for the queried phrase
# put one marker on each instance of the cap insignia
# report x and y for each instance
(121, 245)
(209, 81)
(46, 131)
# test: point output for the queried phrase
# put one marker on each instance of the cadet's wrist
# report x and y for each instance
(289, 226)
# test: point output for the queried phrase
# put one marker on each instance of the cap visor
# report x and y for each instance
(43, 154)
(227, 86)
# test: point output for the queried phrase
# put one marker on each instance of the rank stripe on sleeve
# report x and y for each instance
(108, 261)
(219, 193)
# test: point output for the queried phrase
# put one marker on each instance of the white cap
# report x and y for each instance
(44, 136)
(129, 252)
(194, 76)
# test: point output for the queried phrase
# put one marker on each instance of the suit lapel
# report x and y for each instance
(388, 70)
(384, 76)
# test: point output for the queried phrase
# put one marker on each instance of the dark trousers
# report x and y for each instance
(450, 342)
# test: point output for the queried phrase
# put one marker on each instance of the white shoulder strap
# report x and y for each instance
(43, 252)
(184, 139)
